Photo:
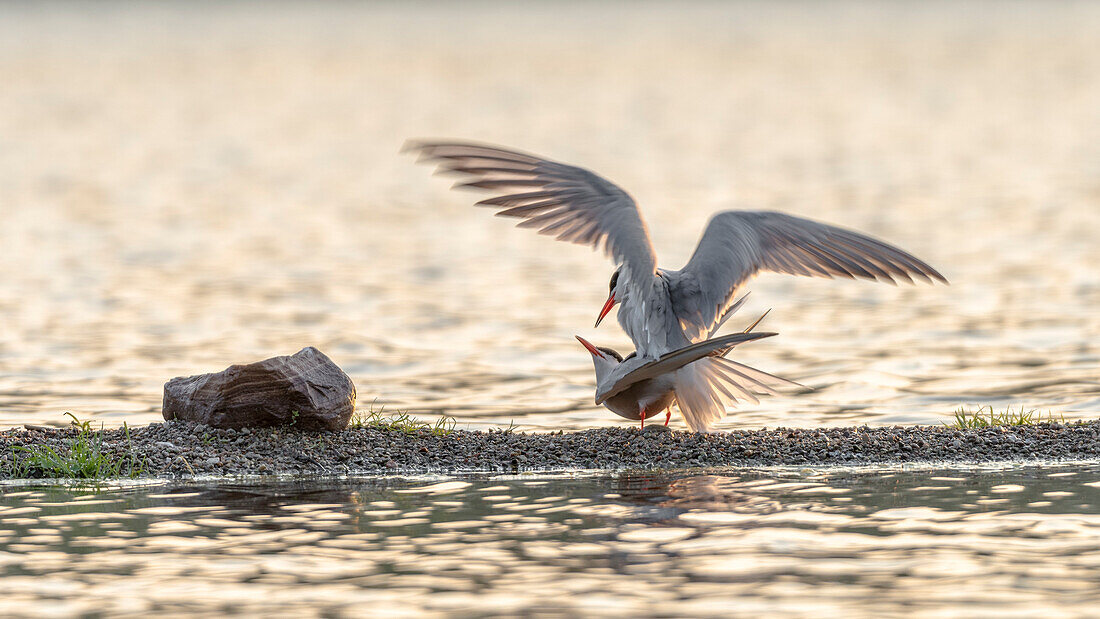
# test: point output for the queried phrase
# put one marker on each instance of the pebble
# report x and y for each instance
(180, 449)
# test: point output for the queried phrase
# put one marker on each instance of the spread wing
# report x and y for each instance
(677, 359)
(559, 200)
(738, 244)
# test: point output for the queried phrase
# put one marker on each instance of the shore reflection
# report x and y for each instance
(844, 539)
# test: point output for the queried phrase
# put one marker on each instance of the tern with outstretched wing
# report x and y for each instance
(663, 310)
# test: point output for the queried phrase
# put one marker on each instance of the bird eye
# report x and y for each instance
(614, 280)
(611, 353)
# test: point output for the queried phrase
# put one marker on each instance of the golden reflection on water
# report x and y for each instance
(780, 542)
(186, 187)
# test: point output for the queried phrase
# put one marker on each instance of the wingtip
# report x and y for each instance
(410, 145)
(791, 383)
(736, 339)
(466, 186)
(930, 276)
(445, 171)
(758, 321)
(424, 146)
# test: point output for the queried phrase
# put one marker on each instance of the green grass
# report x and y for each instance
(85, 457)
(401, 421)
(986, 417)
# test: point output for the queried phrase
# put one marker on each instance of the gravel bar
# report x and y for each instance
(183, 449)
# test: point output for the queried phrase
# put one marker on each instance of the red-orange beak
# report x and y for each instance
(606, 308)
(592, 349)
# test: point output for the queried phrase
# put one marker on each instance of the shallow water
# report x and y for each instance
(919, 542)
(188, 186)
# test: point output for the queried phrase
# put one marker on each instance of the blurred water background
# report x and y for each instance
(188, 185)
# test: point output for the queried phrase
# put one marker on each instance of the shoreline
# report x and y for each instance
(181, 449)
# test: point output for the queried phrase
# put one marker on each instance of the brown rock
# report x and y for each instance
(305, 390)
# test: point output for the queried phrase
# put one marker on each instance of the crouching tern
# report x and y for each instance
(637, 388)
(663, 310)
(698, 379)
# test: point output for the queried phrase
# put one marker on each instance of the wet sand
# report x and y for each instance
(181, 449)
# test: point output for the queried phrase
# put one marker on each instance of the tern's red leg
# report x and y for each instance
(642, 427)
(668, 416)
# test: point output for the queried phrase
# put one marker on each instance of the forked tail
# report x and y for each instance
(706, 387)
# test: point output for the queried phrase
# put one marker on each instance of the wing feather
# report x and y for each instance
(672, 361)
(568, 202)
(739, 244)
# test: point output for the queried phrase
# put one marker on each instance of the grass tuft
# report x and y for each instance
(966, 419)
(85, 457)
(401, 421)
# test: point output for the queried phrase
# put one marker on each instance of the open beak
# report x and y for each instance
(606, 308)
(592, 349)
